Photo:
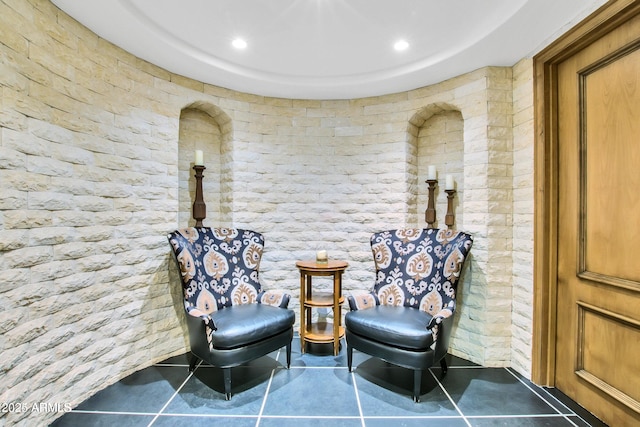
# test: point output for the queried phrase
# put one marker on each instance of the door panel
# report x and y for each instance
(610, 93)
(599, 332)
(598, 283)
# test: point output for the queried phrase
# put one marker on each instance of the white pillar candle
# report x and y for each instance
(450, 184)
(432, 174)
(321, 256)
(199, 159)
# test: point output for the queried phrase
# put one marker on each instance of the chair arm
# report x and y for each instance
(274, 298)
(194, 312)
(439, 317)
(362, 301)
(200, 334)
(441, 334)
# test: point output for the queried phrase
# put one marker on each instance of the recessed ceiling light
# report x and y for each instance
(239, 44)
(401, 45)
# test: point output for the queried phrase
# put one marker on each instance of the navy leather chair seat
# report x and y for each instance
(240, 325)
(395, 326)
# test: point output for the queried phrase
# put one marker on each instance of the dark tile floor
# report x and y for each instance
(319, 390)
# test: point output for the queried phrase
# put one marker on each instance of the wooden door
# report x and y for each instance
(597, 361)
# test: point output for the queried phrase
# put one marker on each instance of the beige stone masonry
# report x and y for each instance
(96, 156)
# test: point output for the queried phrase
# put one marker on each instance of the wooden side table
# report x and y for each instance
(321, 332)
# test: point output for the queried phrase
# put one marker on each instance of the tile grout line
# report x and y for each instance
(450, 398)
(534, 391)
(545, 400)
(355, 388)
(102, 412)
(173, 395)
(266, 393)
(515, 416)
(171, 365)
(557, 400)
(320, 367)
(310, 417)
(573, 413)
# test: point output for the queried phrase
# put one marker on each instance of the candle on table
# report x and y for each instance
(321, 256)
(450, 184)
(199, 159)
(432, 174)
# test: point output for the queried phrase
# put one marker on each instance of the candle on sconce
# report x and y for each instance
(432, 173)
(450, 183)
(199, 158)
(321, 257)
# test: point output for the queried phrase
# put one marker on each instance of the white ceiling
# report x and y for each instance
(328, 49)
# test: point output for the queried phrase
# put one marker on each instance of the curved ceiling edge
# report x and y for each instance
(513, 38)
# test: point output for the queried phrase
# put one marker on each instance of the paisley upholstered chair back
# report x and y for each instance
(218, 267)
(419, 268)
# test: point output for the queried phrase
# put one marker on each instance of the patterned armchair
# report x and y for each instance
(407, 318)
(231, 319)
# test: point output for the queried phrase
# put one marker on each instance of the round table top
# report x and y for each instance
(330, 265)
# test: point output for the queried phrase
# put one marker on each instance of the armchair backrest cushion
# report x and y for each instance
(419, 268)
(218, 266)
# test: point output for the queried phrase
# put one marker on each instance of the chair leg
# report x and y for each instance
(349, 357)
(227, 383)
(417, 380)
(289, 355)
(193, 362)
(443, 365)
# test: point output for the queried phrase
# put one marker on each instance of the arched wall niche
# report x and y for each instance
(204, 126)
(436, 135)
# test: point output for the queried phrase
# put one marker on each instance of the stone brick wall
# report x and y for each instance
(96, 150)
(523, 132)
